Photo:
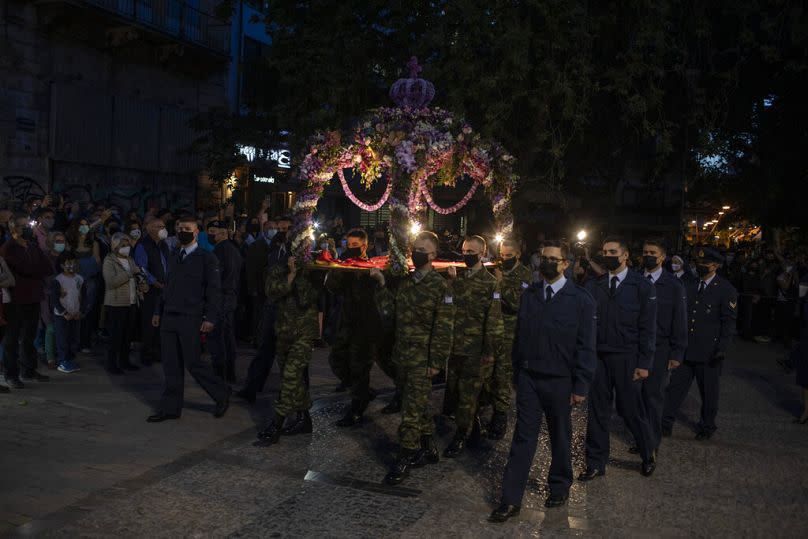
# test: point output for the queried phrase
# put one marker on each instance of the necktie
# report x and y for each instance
(182, 255)
(701, 286)
(613, 288)
(651, 278)
(548, 294)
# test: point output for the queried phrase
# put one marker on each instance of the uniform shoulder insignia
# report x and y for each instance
(448, 300)
(733, 305)
(525, 285)
(496, 295)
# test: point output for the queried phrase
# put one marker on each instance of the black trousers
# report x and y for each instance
(351, 359)
(614, 382)
(259, 368)
(539, 396)
(149, 335)
(118, 324)
(707, 379)
(18, 342)
(181, 349)
(222, 346)
(653, 394)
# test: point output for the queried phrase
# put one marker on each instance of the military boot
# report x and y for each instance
(428, 452)
(475, 439)
(394, 406)
(498, 426)
(271, 434)
(301, 424)
(354, 416)
(400, 469)
(457, 445)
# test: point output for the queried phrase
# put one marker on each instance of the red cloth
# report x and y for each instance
(380, 262)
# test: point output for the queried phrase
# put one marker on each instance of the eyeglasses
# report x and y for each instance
(551, 259)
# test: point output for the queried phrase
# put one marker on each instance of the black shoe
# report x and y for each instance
(15, 383)
(498, 426)
(394, 406)
(590, 474)
(667, 432)
(427, 454)
(503, 513)
(249, 397)
(300, 425)
(400, 469)
(456, 447)
(634, 450)
(115, 371)
(271, 434)
(704, 435)
(160, 417)
(34, 376)
(350, 419)
(130, 367)
(222, 406)
(341, 388)
(648, 467)
(556, 500)
(477, 433)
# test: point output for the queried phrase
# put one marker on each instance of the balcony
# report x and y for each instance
(173, 18)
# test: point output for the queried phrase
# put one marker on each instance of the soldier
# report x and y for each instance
(712, 307)
(671, 335)
(477, 341)
(626, 338)
(294, 292)
(360, 329)
(514, 278)
(553, 363)
(223, 348)
(422, 309)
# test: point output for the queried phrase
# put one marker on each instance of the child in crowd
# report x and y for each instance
(67, 302)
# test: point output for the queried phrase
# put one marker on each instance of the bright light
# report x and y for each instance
(415, 228)
(720, 213)
(724, 207)
(316, 225)
(730, 228)
(581, 235)
(693, 222)
(717, 237)
(498, 238)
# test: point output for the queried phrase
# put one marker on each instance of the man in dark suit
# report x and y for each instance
(553, 363)
(671, 334)
(626, 341)
(223, 338)
(712, 305)
(151, 255)
(189, 305)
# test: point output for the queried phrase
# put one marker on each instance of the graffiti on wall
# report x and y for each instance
(14, 190)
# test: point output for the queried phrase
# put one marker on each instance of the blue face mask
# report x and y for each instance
(269, 234)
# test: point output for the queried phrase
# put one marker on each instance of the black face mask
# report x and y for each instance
(252, 229)
(702, 270)
(185, 237)
(419, 259)
(549, 269)
(471, 260)
(27, 233)
(611, 262)
(212, 239)
(279, 238)
(509, 263)
(352, 252)
(649, 262)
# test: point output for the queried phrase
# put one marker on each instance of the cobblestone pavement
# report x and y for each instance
(78, 460)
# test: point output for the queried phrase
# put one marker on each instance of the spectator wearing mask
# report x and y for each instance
(57, 246)
(681, 271)
(120, 297)
(30, 266)
(222, 342)
(66, 297)
(134, 229)
(46, 220)
(151, 256)
(82, 238)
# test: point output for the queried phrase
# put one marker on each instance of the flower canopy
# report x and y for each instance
(413, 148)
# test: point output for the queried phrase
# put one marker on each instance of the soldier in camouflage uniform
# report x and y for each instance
(478, 334)
(360, 330)
(513, 278)
(422, 310)
(294, 291)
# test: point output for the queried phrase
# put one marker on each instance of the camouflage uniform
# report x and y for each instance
(497, 387)
(296, 328)
(423, 315)
(360, 330)
(478, 332)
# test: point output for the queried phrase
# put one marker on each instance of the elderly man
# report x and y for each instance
(151, 255)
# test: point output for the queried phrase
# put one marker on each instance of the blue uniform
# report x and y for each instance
(553, 357)
(711, 321)
(626, 341)
(671, 342)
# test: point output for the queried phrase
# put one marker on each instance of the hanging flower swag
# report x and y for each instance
(414, 150)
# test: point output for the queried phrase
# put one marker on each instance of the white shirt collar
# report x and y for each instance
(654, 275)
(708, 281)
(189, 249)
(620, 276)
(556, 286)
(679, 273)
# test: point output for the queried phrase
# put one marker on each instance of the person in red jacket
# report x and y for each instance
(30, 266)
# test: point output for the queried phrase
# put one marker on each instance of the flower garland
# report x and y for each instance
(446, 211)
(367, 207)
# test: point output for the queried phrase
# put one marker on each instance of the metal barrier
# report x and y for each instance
(173, 17)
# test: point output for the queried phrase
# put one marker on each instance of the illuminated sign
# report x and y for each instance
(282, 158)
(264, 179)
